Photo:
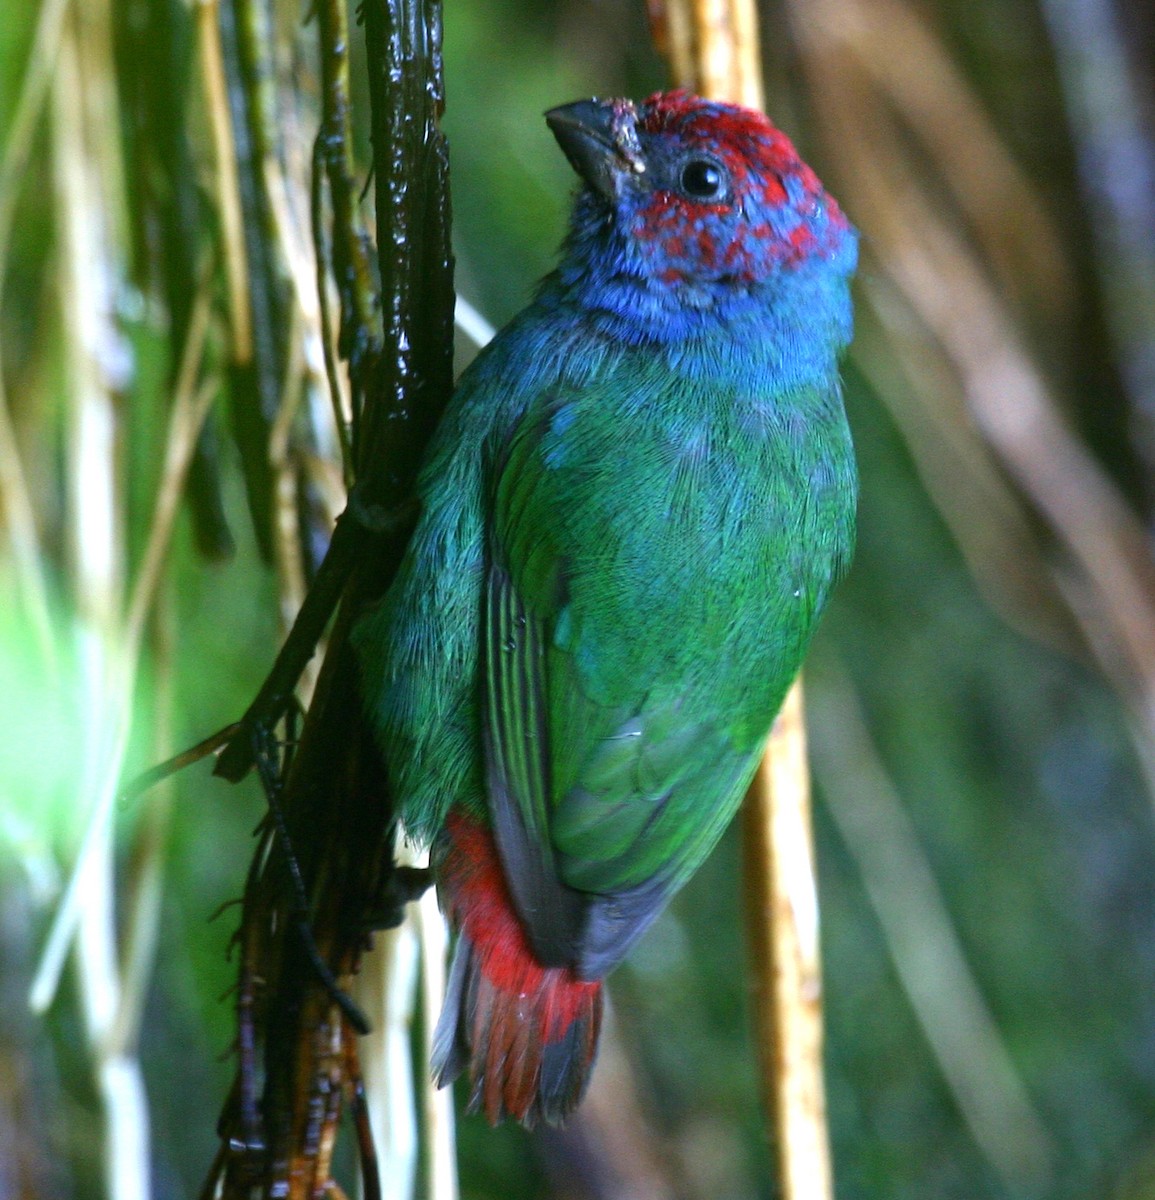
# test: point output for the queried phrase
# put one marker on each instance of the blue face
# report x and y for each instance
(696, 207)
(724, 197)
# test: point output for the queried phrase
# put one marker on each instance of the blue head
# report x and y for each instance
(695, 211)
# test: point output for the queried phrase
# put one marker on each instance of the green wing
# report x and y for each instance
(646, 606)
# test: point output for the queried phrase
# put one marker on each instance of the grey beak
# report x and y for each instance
(590, 133)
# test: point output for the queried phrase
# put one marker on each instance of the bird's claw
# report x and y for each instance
(405, 884)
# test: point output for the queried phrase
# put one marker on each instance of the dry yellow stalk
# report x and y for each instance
(714, 49)
(228, 185)
(782, 920)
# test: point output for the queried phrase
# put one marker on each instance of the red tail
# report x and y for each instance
(528, 1033)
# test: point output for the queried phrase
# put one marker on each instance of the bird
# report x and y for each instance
(632, 513)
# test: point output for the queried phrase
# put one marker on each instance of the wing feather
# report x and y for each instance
(518, 772)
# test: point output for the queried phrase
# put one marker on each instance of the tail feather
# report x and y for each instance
(527, 1033)
(559, 1090)
(450, 1054)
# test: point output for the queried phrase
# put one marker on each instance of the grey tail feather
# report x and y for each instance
(450, 1054)
(566, 1068)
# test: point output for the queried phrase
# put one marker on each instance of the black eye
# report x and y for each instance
(702, 179)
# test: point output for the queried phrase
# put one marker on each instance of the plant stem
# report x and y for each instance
(713, 49)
